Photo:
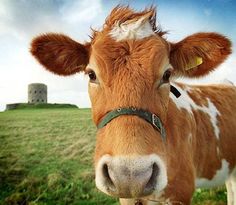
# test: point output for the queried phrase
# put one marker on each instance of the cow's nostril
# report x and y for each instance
(109, 182)
(150, 186)
(138, 203)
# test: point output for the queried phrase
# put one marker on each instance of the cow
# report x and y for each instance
(157, 139)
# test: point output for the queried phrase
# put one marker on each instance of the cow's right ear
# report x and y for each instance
(60, 54)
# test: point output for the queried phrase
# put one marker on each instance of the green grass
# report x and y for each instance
(46, 157)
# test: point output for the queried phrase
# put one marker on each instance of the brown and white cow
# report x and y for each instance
(131, 65)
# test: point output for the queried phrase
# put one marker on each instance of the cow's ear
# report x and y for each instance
(60, 54)
(199, 54)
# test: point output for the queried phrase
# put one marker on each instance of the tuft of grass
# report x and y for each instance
(46, 157)
(217, 196)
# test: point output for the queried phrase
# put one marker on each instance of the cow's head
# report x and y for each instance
(130, 64)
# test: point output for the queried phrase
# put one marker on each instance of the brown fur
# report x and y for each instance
(129, 73)
(211, 47)
(60, 54)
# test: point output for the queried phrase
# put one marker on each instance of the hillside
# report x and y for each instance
(46, 158)
(17, 106)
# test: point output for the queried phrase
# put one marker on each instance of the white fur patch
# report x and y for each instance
(213, 112)
(186, 102)
(219, 178)
(231, 188)
(230, 191)
(135, 30)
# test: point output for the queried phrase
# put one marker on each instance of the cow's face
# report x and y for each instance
(129, 155)
(129, 64)
(129, 73)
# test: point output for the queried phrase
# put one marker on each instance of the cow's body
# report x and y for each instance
(201, 142)
(208, 130)
(130, 64)
(202, 121)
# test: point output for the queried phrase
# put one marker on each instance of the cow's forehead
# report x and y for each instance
(148, 54)
(104, 43)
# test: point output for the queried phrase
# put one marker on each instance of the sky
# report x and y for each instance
(21, 20)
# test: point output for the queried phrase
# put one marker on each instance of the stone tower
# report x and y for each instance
(37, 93)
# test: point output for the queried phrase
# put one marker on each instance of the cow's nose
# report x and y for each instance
(128, 177)
(125, 182)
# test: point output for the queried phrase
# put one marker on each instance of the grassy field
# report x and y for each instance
(46, 158)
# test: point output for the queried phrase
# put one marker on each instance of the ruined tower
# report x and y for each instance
(37, 93)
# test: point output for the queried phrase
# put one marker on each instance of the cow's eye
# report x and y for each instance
(166, 76)
(92, 76)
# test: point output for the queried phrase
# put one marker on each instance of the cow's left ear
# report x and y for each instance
(198, 54)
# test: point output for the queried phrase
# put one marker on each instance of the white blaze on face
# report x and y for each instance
(186, 102)
(219, 179)
(136, 30)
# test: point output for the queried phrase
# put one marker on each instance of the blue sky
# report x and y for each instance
(21, 20)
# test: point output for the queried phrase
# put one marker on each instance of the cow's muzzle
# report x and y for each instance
(131, 176)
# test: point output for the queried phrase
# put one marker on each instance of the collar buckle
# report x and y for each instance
(156, 122)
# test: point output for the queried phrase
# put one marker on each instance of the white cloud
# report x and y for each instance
(81, 11)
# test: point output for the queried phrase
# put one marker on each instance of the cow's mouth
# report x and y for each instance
(143, 200)
(138, 202)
